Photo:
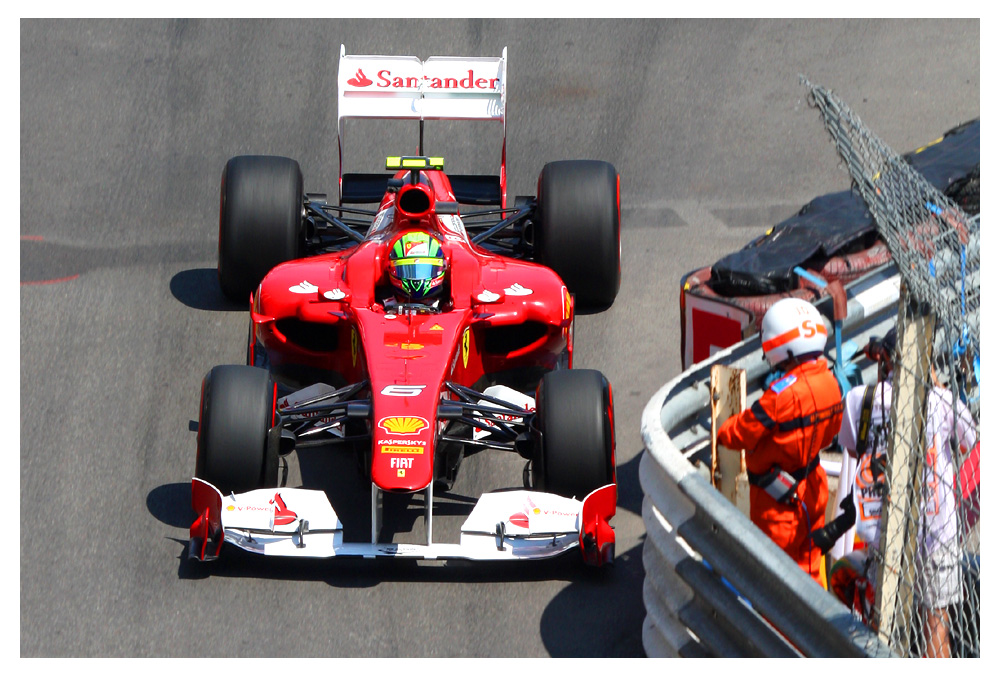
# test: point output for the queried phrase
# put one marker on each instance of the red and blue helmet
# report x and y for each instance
(417, 266)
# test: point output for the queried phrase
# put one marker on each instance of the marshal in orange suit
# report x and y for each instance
(783, 432)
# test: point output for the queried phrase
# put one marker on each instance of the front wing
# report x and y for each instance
(505, 525)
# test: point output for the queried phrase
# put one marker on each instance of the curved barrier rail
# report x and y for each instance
(715, 585)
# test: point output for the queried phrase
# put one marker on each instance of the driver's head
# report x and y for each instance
(417, 267)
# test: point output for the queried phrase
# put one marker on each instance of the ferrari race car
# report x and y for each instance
(437, 325)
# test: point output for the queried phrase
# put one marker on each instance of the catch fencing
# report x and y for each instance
(924, 559)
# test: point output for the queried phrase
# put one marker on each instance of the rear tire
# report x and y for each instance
(237, 411)
(579, 234)
(576, 420)
(260, 221)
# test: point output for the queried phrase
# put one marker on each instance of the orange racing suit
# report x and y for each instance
(793, 420)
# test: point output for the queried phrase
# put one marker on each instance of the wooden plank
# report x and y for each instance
(904, 471)
(728, 466)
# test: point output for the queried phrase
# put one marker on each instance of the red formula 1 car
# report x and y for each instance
(412, 335)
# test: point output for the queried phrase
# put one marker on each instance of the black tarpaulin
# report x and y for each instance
(834, 224)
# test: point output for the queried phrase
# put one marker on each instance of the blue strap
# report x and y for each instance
(814, 279)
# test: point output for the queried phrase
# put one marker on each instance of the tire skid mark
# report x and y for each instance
(30, 283)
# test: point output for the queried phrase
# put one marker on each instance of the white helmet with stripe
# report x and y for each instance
(792, 328)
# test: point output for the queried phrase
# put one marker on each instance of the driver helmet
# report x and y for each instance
(792, 328)
(417, 266)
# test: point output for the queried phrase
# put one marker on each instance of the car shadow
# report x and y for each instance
(601, 612)
(629, 487)
(198, 288)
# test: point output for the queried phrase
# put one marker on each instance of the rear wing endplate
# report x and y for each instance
(406, 88)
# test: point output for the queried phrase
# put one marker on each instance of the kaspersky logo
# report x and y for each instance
(403, 425)
(384, 79)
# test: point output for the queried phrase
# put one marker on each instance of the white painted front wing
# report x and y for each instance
(508, 525)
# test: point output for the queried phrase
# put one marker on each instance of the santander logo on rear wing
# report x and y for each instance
(407, 88)
(406, 79)
(440, 88)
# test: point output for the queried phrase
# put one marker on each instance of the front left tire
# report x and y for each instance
(238, 406)
(575, 415)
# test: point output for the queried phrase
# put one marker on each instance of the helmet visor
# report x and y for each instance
(417, 277)
(418, 268)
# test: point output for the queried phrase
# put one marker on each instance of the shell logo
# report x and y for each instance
(403, 425)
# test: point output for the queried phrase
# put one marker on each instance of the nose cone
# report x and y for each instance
(403, 441)
(408, 357)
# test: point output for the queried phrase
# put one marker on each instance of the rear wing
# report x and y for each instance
(406, 88)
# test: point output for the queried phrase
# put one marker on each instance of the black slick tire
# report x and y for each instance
(260, 221)
(576, 419)
(579, 234)
(237, 411)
